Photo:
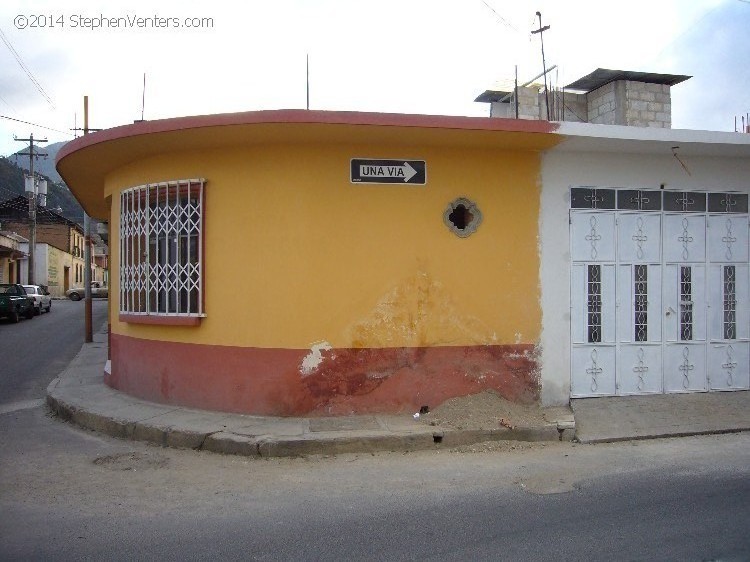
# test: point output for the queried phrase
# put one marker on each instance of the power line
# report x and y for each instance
(688, 29)
(35, 125)
(26, 69)
(6, 102)
(501, 18)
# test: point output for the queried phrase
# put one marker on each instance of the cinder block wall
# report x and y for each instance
(623, 102)
(648, 105)
(602, 105)
(576, 108)
(528, 105)
(636, 104)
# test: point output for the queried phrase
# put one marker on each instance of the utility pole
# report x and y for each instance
(31, 191)
(89, 336)
(541, 31)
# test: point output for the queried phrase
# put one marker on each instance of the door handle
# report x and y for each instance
(670, 311)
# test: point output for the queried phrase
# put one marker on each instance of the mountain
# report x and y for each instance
(58, 195)
(45, 166)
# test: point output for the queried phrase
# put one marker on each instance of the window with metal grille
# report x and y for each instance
(594, 304)
(641, 302)
(730, 303)
(161, 249)
(686, 303)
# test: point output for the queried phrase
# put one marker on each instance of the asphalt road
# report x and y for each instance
(69, 494)
(34, 351)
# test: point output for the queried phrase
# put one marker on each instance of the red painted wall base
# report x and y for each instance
(346, 381)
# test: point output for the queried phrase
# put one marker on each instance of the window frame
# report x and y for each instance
(162, 288)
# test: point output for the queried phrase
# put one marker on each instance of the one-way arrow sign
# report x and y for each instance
(412, 172)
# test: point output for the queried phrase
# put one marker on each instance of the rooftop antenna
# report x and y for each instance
(307, 77)
(541, 31)
(143, 97)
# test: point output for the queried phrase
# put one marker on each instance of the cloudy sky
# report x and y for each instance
(403, 56)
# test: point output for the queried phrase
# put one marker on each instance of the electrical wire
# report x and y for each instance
(26, 69)
(685, 31)
(501, 18)
(36, 125)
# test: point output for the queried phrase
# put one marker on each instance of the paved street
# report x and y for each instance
(71, 494)
(34, 351)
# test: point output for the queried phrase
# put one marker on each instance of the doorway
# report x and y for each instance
(660, 283)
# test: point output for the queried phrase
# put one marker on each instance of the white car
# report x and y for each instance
(97, 290)
(42, 300)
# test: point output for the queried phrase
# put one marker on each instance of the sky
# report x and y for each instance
(405, 56)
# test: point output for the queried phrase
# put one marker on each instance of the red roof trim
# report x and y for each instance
(306, 116)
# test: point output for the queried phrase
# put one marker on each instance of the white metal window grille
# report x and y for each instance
(640, 322)
(686, 303)
(161, 249)
(730, 303)
(595, 304)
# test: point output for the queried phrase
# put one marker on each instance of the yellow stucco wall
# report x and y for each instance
(296, 254)
(57, 260)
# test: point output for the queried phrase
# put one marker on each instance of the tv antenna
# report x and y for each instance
(541, 31)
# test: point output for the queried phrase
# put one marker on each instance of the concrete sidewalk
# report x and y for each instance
(623, 418)
(79, 394)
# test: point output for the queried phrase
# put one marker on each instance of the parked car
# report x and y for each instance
(14, 302)
(97, 290)
(42, 300)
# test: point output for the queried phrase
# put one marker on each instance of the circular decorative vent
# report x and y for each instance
(462, 217)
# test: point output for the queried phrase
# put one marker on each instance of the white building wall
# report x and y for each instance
(562, 169)
(41, 264)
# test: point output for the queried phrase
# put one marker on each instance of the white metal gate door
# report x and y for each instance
(685, 300)
(639, 330)
(660, 291)
(593, 303)
(728, 319)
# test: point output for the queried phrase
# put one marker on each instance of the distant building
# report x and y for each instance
(606, 97)
(59, 263)
(10, 256)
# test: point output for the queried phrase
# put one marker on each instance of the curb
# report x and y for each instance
(267, 446)
(80, 396)
(660, 435)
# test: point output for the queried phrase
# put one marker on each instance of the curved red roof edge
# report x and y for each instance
(307, 116)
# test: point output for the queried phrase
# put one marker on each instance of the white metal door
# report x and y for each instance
(593, 309)
(729, 327)
(639, 362)
(729, 311)
(660, 292)
(685, 327)
(639, 330)
(685, 302)
(593, 321)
